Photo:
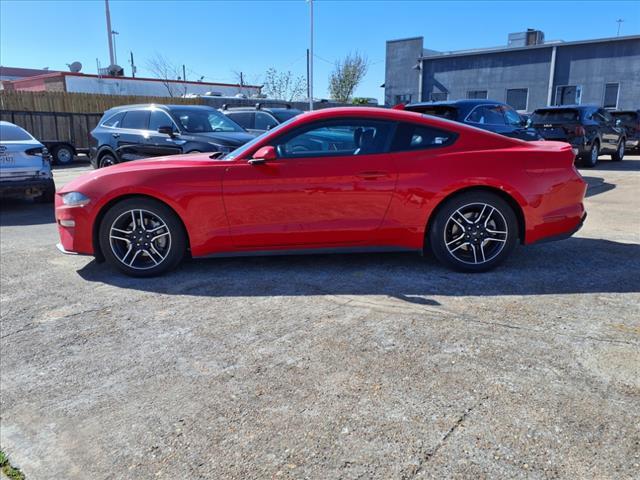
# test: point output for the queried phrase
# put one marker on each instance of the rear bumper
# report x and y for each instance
(564, 235)
(20, 188)
(632, 143)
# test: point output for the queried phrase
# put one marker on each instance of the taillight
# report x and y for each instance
(580, 131)
(34, 151)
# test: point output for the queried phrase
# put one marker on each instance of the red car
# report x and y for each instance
(341, 179)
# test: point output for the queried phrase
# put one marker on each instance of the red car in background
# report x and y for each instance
(342, 179)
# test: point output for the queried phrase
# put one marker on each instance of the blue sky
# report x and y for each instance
(216, 38)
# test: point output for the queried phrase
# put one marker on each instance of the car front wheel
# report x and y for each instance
(619, 154)
(591, 159)
(142, 237)
(474, 232)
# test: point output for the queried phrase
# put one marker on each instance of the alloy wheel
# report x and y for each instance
(475, 233)
(140, 239)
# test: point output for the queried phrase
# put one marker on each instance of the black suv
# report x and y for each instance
(489, 115)
(630, 120)
(591, 130)
(259, 119)
(135, 132)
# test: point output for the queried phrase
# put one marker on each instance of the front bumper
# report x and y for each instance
(75, 227)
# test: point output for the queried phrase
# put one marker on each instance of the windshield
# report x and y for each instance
(450, 113)
(555, 116)
(284, 115)
(13, 133)
(249, 145)
(205, 121)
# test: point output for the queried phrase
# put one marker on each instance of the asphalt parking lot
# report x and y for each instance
(322, 367)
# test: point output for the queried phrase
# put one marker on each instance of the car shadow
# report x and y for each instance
(576, 265)
(597, 185)
(14, 212)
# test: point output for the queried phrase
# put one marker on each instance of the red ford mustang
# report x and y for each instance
(342, 179)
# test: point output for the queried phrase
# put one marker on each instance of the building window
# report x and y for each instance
(479, 94)
(404, 98)
(517, 98)
(568, 95)
(611, 95)
(439, 96)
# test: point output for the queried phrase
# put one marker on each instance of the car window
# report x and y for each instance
(244, 119)
(411, 136)
(555, 116)
(606, 116)
(626, 117)
(13, 133)
(159, 119)
(264, 121)
(284, 115)
(136, 119)
(448, 112)
(114, 120)
(512, 117)
(336, 138)
(487, 115)
(205, 121)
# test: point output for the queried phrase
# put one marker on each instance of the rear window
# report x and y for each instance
(136, 119)
(284, 115)
(13, 133)
(450, 113)
(244, 119)
(555, 116)
(626, 116)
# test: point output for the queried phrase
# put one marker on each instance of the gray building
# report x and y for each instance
(528, 73)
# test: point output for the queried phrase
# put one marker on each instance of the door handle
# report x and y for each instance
(372, 175)
(115, 135)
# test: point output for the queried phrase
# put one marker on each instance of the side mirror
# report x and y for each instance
(167, 130)
(618, 122)
(263, 155)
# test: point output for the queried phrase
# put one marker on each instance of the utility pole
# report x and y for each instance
(619, 22)
(115, 50)
(109, 34)
(311, 56)
(308, 93)
(184, 74)
(133, 66)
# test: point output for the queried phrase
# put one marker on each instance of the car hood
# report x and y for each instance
(228, 139)
(157, 165)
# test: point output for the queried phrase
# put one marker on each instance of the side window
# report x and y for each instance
(136, 119)
(160, 119)
(512, 117)
(244, 119)
(487, 115)
(113, 121)
(606, 116)
(336, 138)
(411, 136)
(264, 121)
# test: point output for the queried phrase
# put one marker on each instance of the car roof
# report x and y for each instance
(457, 103)
(160, 106)
(265, 109)
(569, 107)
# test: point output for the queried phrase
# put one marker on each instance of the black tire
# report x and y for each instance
(48, 195)
(591, 159)
(619, 153)
(63, 155)
(474, 242)
(142, 266)
(106, 160)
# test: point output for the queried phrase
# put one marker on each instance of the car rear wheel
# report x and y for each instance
(591, 159)
(474, 232)
(142, 237)
(107, 160)
(63, 155)
(619, 154)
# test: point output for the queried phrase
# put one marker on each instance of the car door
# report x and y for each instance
(488, 117)
(330, 185)
(610, 133)
(130, 137)
(161, 144)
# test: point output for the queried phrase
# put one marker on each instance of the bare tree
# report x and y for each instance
(283, 85)
(165, 70)
(346, 76)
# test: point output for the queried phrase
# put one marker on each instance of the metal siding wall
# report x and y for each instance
(400, 77)
(494, 72)
(594, 65)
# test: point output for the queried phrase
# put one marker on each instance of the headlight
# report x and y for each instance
(221, 148)
(75, 199)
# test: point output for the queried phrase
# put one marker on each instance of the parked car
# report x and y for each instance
(259, 119)
(135, 132)
(489, 115)
(399, 181)
(630, 120)
(590, 130)
(25, 166)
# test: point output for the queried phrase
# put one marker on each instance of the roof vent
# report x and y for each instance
(525, 39)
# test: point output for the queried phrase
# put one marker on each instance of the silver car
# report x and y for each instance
(25, 167)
